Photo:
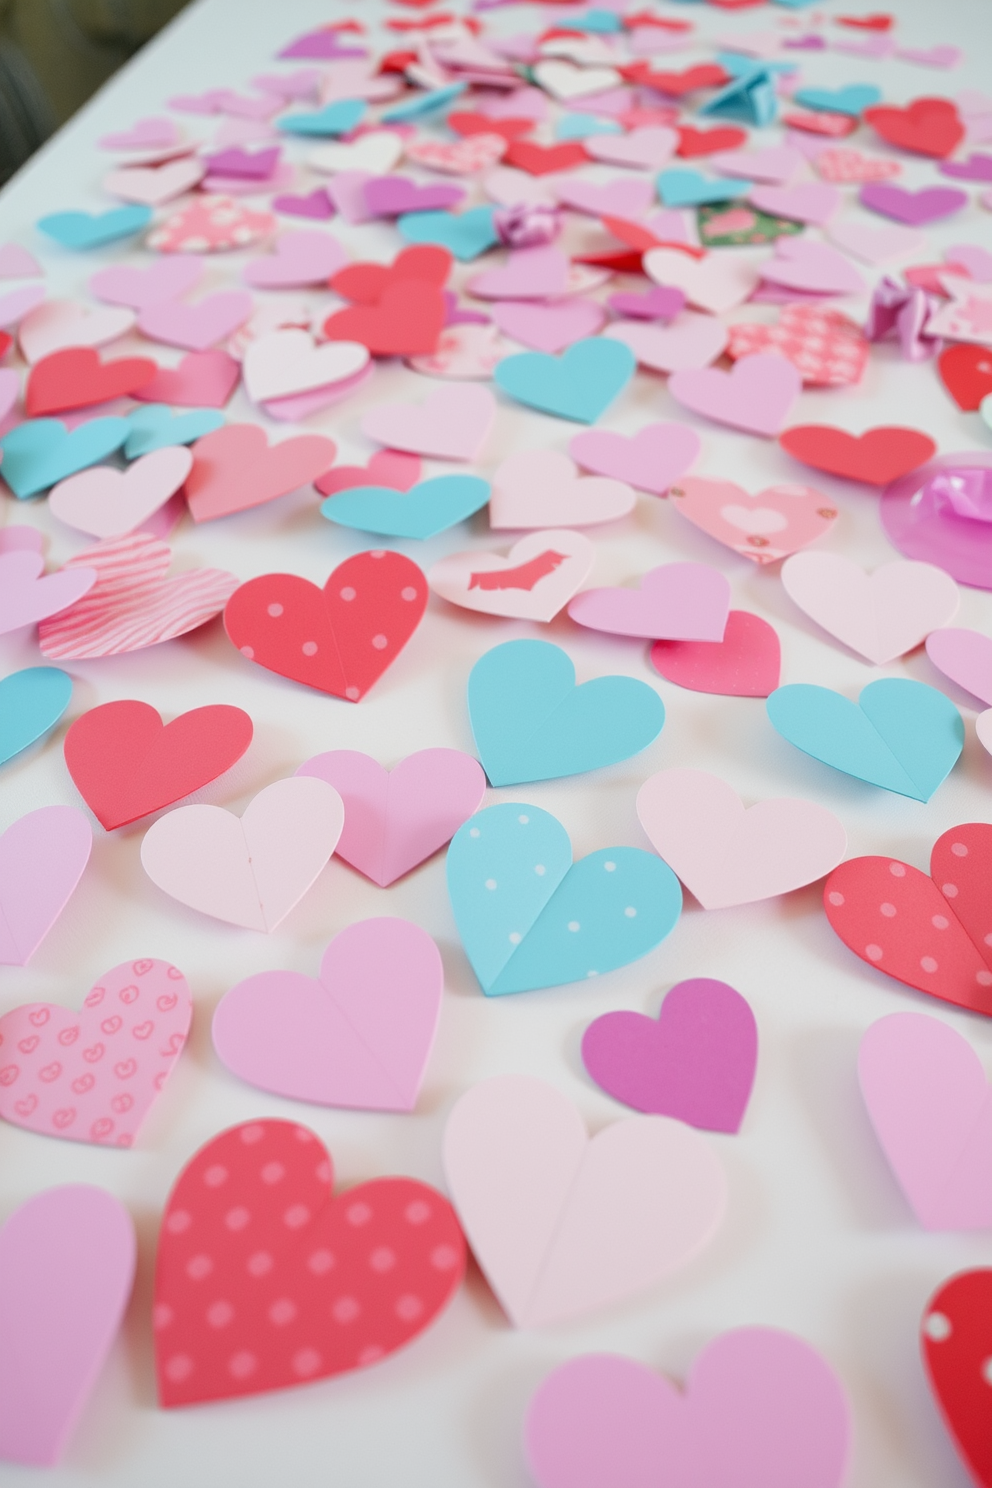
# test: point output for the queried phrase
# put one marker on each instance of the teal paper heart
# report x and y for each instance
(688, 188)
(528, 917)
(156, 427)
(31, 702)
(465, 234)
(422, 105)
(82, 230)
(336, 118)
(750, 98)
(429, 507)
(578, 385)
(531, 721)
(581, 126)
(42, 451)
(901, 735)
(851, 100)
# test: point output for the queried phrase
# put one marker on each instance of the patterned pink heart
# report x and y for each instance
(847, 165)
(212, 224)
(777, 521)
(464, 158)
(828, 349)
(92, 1076)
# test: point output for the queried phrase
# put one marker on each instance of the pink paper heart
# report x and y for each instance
(104, 502)
(765, 527)
(813, 203)
(651, 460)
(147, 134)
(42, 857)
(549, 328)
(452, 423)
(689, 341)
(875, 245)
(211, 224)
(17, 263)
(541, 488)
(513, 188)
(138, 288)
(10, 387)
(385, 468)
(646, 149)
(676, 602)
(151, 186)
(757, 395)
(60, 323)
(776, 165)
(528, 274)
(316, 204)
(464, 350)
(196, 327)
(848, 165)
(628, 197)
(534, 581)
(715, 283)
(28, 595)
(880, 615)
(828, 349)
(964, 656)
(203, 379)
(463, 158)
(804, 265)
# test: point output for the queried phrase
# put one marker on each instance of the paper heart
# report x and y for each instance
(76, 378)
(17, 263)
(67, 1259)
(406, 321)
(339, 117)
(853, 99)
(31, 702)
(376, 153)
(467, 124)
(927, 126)
(623, 197)
(606, 1217)
(714, 283)
(464, 350)
(322, 637)
(954, 1342)
(813, 203)
(385, 468)
(359, 1036)
(82, 230)
(645, 149)
(877, 457)
(236, 468)
(196, 327)
(540, 488)
(104, 502)
(757, 395)
(694, 142)
(846, 166)
(727, 855)
(914, 207)
(391, 196)
(147, 134)
(900, 735)
(534, 581)
(689, 188)
(828, 349)
(812, 268)
(40, 452)
(29, 595)
(367, 283)
(529, 273)
(138, 288)
(678, 602)
(881, 615)
(746, 663)
(691, 341)
(156, 427)
(775, 165)
(657, 304)
(929, 932)
(462, 158)
(514, 188)
(58, 324)
(299, 258)
(759, 1406)
(42, 858)
(202, 378)
(694, 1062)
(315, 204)
(452, 423)
(464, 234)
(532, 722)
(23, 302)
(154, 185)
(565, 81)
(132, 604)
(285, 363)
(579, 385)
(211, 224)
(965, 656)
(975, 168)
(875, 245)
(430, 507)
(348, 1280)
(650, 460)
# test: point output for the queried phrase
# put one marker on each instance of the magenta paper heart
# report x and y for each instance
(659, 303)
(814, 203)
(528, 274)
(390, 196)
(651, 460)
(396, 819)
(760, 1409)
(676, 602)
(92, 1076)
(196, 327)
(316, 204)
(975, 168)
(359, 1037)
(757, 395)
(913, 207)
(452, 423)
(300, 258)
(140, 288)
(690, 341)
(765, 527)
(42, 857)
(28, 595)
(774, 165)
(803, 265)
(252, 165)
(629, 198)
(694, 1062)
(347, 191)
(540, 488)
(965, 657)
(548, 328)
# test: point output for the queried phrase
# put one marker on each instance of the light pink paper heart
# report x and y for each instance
(534, 581)
(714, 283)
(249, 870)
(549, 328)
(757, 395)
(513, 188)
(196, 327)
(650, 460)
(286, 363)
(767, 526)
(463, 351)
(60, 323)
(811, 267)
(528, 274)
(965, 656)
(813, 203)
(676, 602)
(10, 387)
(347, 191)
(931, 1106)
(727, 855)
(147, 134)
(541, 488)
(17, 263)
(19, 303)
(876, 245)
(562, 1225)
(775, 165)
(104, 502)
(150, 186)
(628, 197)
(299, 258)
(138, 288)
(42, 857)
(647, 148)
(452, 423)
(881, 615)
(28, 594)
(360, 1036)
(93, 1076)
(689, 341)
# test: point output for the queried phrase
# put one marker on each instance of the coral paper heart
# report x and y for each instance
(93, 1076)
(235, 468)
(957, 1343)
(125, 762)
(385, 468)
(932, 933)
(42, 858)
(407, 320)
(76, 378)
(827, 347)
(876, 457)
(339, 639)
(264, 1280)
(966, 372)
(746, 663)
(927, 126)
(366, 283)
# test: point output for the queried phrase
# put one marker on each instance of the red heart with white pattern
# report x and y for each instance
(957, 1345)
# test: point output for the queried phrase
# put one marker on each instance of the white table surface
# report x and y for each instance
(818, 1238)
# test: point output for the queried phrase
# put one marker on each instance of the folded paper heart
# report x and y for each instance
(67, 1259)
(579, 385)
(534, 581)
(104, 502)
(31, 702)
(715, 283)
(126, 763)
(385, 468)
(82, 230)
(339, 639)
(287, 362)
(158, 427)
(452, 423)
(881, 615)
(651, 460)
(727, 855)
(691, 341)
(746, 663)
(344, 1282)
(955, 1337)
(900, 735)
(166, 280)
(531, 722)
(196, 327)
(430, 507)
(561, 1224)
(916, 208)
(77, 378)
(58, 324)
(407, 320)
(540, 488)
(927, 126)
(28, 594)
(828, 349)
(756, 396)
(929, 932)
(965, 657)
(42, 858)
(675, 602)
(359, 1036)
(877, 457)
(235, 468)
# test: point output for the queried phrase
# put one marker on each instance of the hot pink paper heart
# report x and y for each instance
(881, 615)
(965, 656)
(814, 203)
(28, 594)
(650, 460)
(93, 1076)
(760, 1409)
(396, 819)
(104, 502)
(811, 267)
(541, 488)
(931, 1106)
(746, 663)
(42, 857)
(767, 526)
(67, 1260)
(549, 328)
(452, 423)
(60, 323)
(625, 197)
(528, 274)
(691, 341)
(534, 581)
(299, 258)
(196, 327)
(774, 165)
(757, 395)
(151, 186)
(138, 288)
(359, 1036)
(676, 602)
(645, 149)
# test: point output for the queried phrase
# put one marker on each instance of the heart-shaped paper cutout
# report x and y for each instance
(104, 502)
(42, 858)
(965, 656)
(677, 601)
(880, 615)
(430, 507)
(452, 423)
(877, 457)
(533, 581)
(651, 459)
(766, 526)
(579, 385)
(746, 663)
(29, 595)
(540, 488)
(77, 378)
(236, 468)
(828, 348)
(757, 395)
(31, 702)
(956, 1338)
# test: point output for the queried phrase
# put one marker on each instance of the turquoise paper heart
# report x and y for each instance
(336, 118)
(528, 917)
(421, 105)
(42, 451)
(688, 188)
(901, 735)
(465, 234)
(579, 385)
(750, 98)
(82, 230)
(156, 427)
(581, 126)
(851, 100)
(531, 721)
(31, 702)
(429, 507)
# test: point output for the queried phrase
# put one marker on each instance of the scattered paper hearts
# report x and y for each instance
(104, 502)
(42, 858)
(827, 348)
(955, 1345)
(235, 468)
(540, 488)
(757, 395)
(29, 595)
(31, 702)
(746, 663)
(452, 423)
(675, 602)
(876, 457)
(881, 615)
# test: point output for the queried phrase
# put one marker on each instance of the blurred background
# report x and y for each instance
(55, 53)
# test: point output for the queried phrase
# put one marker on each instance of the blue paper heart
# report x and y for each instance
(528, 917)
(465, 234)
(42, 451)
(850, 100)
(82, 230)
(579, 385)
(429, 507)
(599, 21)
(751, 98)
(156, 427)
(688, 188)
(581, 126)
(336, 118)
(901, 735)
(423, 104)
(531, 722)
(31, 702)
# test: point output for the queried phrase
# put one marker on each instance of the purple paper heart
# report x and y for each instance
(42, 857)
(320, 45)
(975, 260)
(317, 205)
(389, 196)
(660, 303)
(975, 168)
(913, 207)
(253, 165)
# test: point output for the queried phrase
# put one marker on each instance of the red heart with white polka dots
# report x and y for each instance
(932, 933)
(957, 1352)
(264, 1281)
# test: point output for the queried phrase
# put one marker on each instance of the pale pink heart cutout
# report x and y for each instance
(286, 363)
(714, 283)
(452, 423)
(151, 186)
(766, 526)
(881, 615)
(689, 342)
(29, 595)
(106, 503)
(651, 460)
(676, 602)
(756, 396)
(196, 327)
(541, 488)
(60, 323)
(964, 656)
(534, 581)
(298, 259)
(42, 858)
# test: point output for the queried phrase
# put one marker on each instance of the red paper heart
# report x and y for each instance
(203, 379)
(927, 126)
(126, 762)
(366, 283)
(541, 160)
(263, 1280)
(877, 457)
(956, 1340)
(235, 468)
(390, 468)
(746, 663)
(966, 372)
(694, 142)
(677, 84)
(75, 378)
(874, 22)
(933, 933)
(6, 342)
(469, 124)
(339, 639)
(406, 321)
